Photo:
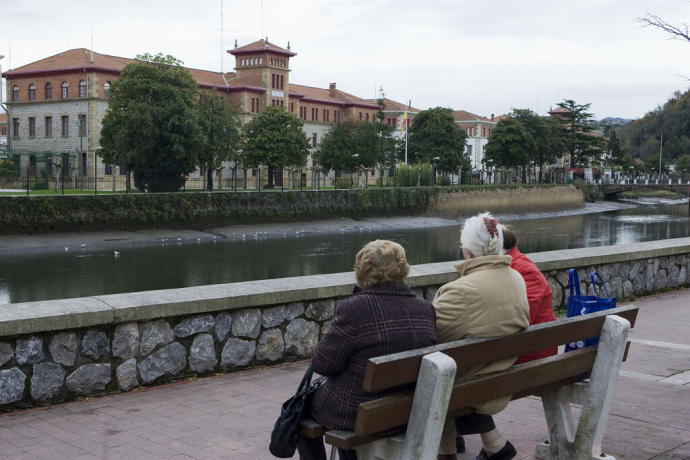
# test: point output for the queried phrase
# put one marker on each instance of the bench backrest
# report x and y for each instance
(530, 378)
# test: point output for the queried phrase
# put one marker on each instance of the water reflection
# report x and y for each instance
(82, 273)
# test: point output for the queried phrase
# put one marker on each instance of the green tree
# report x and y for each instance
(510, 145)
(434, 134)
(546, 134)
(274, 138)
(614, 147)
(352, 144)
(577, 130)
(220, 126)
(683, 163)
(651, 164)
(151, 125)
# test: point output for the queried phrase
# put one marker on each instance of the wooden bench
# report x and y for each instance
(586, 377)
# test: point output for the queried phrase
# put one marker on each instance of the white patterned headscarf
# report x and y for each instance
(482, 235)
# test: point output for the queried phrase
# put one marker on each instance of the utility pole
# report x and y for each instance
(661, 149)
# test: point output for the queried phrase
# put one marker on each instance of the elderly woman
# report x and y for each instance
(488, 300)
(383, 316)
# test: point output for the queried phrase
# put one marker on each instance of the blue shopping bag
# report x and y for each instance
(579, 304)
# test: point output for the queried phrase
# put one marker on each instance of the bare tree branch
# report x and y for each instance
(680, 31)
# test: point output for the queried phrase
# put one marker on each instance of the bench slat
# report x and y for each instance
(394, 411)
(397, 369)
(310, 428)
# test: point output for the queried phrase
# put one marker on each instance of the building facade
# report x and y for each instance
(478, 130)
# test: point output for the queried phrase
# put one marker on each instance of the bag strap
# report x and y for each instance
(306, 380)
(593, 276)
(574, 282)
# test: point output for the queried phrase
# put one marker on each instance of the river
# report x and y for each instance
(85, 272)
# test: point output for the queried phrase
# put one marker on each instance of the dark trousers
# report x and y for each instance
(314, 449)
(474, 424)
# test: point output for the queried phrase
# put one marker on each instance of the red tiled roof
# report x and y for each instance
(389, 104)
(463, 115)
(323, 95)
(79, 58)
(260, 45)
(559, 110)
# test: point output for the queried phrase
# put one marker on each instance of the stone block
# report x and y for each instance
(153, 334)
(419, 292)
(126, 374)
(223, 325)
(12, 383)
(169, 360)
(6, 353)
(431, 292)
(202, 354)
(89, 378)
(63, 348)
(194, 325)
(47, 381)
(557, 299)
(237, 352)
(95, 344)
(562, 278)
(660, 280)
(673, 273)
(272, 317)
(301, 337)
(683, 276)
(649, 278)
(628, 289)
(270, 346)
(321, 310)
(126, 341)
(246, 323)
(293, 310)
(29, 351)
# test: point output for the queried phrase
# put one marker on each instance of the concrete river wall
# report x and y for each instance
(58, 350)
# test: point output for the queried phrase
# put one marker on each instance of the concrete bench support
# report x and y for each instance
(429, 407)
(583, 441)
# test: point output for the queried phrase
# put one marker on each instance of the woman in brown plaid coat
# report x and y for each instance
(383, 316)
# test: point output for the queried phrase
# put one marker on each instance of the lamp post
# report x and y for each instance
(353, 167)
(435, 161)
(4, 108)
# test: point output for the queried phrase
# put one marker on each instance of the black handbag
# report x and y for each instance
(285, 434)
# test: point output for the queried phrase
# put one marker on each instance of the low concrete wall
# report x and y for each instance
(58, 350)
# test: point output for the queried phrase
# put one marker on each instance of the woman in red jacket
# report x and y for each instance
(539, 292)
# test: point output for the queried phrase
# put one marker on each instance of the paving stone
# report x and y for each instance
(126, 341)
(194, 325)
(46, 381)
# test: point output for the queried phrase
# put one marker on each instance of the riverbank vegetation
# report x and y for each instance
(507, 199)
(74, 213)
(662, 194)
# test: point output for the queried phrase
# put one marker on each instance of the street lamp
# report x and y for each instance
(352, 175)
(435, 161)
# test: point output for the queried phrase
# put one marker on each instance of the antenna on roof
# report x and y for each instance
(91, 55)
(266, 42)
(221, 37)
(288, 46)
(235, 43)
(262, 17)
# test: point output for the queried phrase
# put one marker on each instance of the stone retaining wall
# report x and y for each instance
(58, 350)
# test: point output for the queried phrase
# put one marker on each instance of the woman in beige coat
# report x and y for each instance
(488, 300)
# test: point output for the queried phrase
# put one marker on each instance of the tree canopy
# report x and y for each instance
(274, 138)
(353, 143)
(511, 145)
(151, 125)
(434, 134)
(220, 126)
(546, 134)
(577, 130)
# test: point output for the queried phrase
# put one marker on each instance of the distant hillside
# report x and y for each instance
(615, 121)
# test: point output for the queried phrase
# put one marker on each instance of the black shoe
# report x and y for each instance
(507, 452)
(460, 444)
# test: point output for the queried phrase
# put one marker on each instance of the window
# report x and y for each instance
(32, 92)
(273, 80)
(360, 116)
(469, 150)
(367, 116)
(83, 164)
(15, 93)
(255, 104)
(292, 107)
(65, 89)
(123, 170)
(106, 90)
(49, 91)
(282, 77)
(15, 127)
(108, 170)
(49, 126)
(326, 116)
(65, 126)
(32, 126)
(313, 140)
(82, 88)
(82, 125)
(3, 130)
(483, 132)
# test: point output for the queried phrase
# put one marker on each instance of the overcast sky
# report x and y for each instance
(481, 56)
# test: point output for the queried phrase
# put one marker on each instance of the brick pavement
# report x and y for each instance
(230, 416)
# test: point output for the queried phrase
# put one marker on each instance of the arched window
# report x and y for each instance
(65, 89)
(32, 92)
(106, 90)
(15, 93)
(82, 88)
(49, 91)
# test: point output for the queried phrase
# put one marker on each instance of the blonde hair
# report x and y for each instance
(380, 261)
(482, 235)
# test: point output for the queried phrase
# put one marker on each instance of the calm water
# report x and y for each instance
(84, 273)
